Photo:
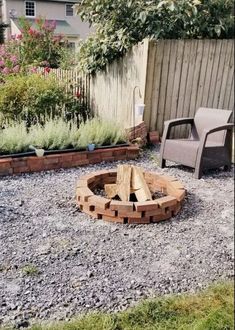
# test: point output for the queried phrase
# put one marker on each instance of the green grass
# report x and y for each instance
(211, 309)
(30, 270)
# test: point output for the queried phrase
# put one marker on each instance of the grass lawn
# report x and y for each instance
(211, 309)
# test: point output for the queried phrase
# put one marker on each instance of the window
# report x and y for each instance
(30, 8)
(69, 9)
(71, 46)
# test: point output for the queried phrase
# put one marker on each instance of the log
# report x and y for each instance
(111, 190)
(139, 185)
(124, 182)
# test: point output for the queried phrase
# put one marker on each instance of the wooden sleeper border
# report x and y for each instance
(130, 212)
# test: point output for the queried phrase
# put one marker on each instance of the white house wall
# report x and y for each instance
(47, 10)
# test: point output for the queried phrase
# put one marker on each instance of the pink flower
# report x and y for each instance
(16, 69)
(47, 69)
(78, 94)
(2, 63)
(6, 70)
(19, 36)
(13, 58)
(33, 70)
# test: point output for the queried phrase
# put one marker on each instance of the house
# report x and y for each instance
(67, 23)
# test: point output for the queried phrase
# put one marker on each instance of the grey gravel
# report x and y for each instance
(76, 264)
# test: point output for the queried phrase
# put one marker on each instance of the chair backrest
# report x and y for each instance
(208, 118)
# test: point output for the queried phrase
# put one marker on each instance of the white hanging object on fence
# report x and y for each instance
(139, 109)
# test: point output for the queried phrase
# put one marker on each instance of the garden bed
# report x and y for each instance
(17, 164)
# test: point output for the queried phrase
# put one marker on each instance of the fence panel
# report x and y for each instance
(188, 74)
(112, 90)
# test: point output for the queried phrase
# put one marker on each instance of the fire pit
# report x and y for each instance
(132, 195)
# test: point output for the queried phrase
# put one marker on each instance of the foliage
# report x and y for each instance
(58, 134)
(36, 45)
(122, 23)
(211, 309)
(30, 270)
(33, 97)
(55, 134)
(14, 138)
(100, 133)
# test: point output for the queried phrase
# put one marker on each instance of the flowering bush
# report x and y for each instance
(34, 98)
(35, 46)
(9, 61)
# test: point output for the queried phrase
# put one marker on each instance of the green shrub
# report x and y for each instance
(120, 24)
(100, 133)
(57, 134)
(34, 97)
(14, 139)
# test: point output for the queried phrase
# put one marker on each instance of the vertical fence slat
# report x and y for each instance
(163, 85)
(156, 84)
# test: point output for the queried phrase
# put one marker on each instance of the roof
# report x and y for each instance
(62, 26)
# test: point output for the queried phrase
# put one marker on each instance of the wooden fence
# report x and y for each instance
(175, 78)
(184, 75)
(112, 90)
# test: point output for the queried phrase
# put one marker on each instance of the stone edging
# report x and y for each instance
(130, 212)
(11, 166)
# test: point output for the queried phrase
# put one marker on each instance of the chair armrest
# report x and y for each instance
(178, 121)
(168, 124)
(218, 128)
(206, 132)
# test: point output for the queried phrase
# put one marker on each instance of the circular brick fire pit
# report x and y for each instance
(113, 210)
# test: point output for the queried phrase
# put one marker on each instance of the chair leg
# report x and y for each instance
(162, 163)
(227, 167)
(197, 173)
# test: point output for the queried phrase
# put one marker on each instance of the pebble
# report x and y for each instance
(86, 265)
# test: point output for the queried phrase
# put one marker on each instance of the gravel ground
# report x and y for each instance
(56, 262)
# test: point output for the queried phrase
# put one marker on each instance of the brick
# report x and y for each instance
(179, 194)
(143, 220)
(5, 164)
(113, 219)
(158, 211)
(98, 201)
(120, 152)
(51, 160)
(18, 162)
(108, 159)
(82, 183)
(106, 212)
(154, 137)
(5, 171)
(121, 206)
(21, 169)
(146, 206)
(79, 156)
(166, 201)
(65, 158)
(108, 180)
(158, 218)
(175, 209)
(80, 162)
(93, 214)
(133, 214)
(83, 193)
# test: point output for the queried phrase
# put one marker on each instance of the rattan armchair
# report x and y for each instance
(208, 146)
